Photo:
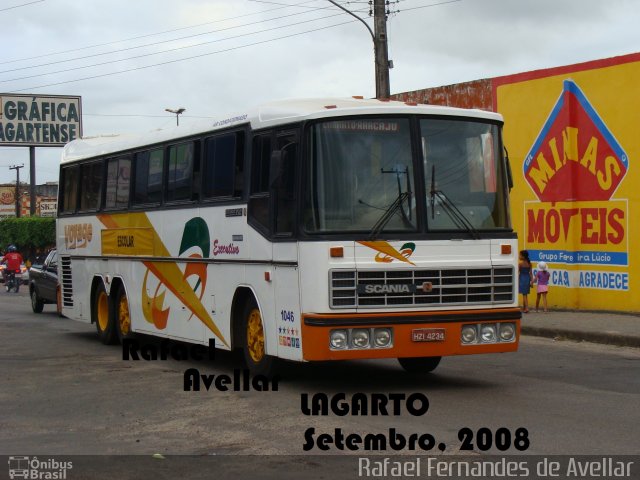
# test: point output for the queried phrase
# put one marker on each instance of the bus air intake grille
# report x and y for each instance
(410, 288)
(67, 285)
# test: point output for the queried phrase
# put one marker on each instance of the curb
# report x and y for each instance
(579, 335)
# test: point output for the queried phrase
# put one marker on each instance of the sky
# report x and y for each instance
(130, 60)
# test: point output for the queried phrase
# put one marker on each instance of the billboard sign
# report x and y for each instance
(573, 130)
(39, 121)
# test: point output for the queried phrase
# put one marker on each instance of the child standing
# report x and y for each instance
(525, 279)
(542, 279)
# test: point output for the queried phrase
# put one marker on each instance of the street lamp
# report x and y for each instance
(177, 112)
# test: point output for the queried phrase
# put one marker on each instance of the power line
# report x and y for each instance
(92, 77)
(148, 35)
(428, 6)
(136, 115)
(21, 5)
(168, 50)
(154, 44)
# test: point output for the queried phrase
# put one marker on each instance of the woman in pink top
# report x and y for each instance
(542, 279)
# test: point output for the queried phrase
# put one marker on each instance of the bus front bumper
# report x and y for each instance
(415, 334)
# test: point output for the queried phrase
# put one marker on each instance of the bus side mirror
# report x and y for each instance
(508, 165)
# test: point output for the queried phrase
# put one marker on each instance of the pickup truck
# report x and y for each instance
(43, 283)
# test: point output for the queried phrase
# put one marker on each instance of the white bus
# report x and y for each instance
(301, 230)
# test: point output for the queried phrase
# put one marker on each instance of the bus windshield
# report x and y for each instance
(362, 178)
(464, 180)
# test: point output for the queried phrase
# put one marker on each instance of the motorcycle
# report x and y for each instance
(11, 282)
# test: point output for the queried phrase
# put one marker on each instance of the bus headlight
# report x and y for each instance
(338, 339)
(507, 331)
(382, 337)
(488, 333)
(469, 334)
(360, 338)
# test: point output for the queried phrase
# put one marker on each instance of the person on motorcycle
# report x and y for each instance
(13, 260)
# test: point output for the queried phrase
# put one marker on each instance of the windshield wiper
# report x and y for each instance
(388, 214)
(453, 212)
(392, 209)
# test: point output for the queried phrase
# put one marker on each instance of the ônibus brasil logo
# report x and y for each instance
(575, 157)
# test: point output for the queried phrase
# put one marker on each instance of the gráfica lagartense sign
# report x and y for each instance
(40, 121)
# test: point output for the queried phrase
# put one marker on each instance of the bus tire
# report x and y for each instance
(253, 349)
(122, 315)
(419, 364)
(37, 304)
(101, 315)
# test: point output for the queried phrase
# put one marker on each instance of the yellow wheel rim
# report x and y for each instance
(103, 310)
(255, 336)
(123, 315)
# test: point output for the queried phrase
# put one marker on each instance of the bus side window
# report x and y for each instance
(259, 199)
(69, 190)
(90, 186)
(284, 186)
(223, 166)
(147, 185)
(118, 179)
(181, 166)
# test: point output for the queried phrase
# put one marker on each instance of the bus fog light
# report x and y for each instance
(469, 334)
(507, 332)
(360, 338)
(338, 339)
(488, 333)
(382, 337)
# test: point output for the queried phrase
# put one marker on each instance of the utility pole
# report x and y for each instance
(17, 194)
(379, 37)
(383, 88)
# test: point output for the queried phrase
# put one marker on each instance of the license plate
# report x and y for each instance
(428, 335)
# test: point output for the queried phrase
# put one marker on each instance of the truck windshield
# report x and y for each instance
(361, 177)
(464, 178)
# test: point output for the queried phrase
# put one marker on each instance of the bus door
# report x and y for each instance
(283, 175)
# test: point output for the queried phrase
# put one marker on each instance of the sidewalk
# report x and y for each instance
(598, 327)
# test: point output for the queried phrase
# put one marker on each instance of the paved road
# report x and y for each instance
(62, 392)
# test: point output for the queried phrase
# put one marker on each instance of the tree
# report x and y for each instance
(29, 234)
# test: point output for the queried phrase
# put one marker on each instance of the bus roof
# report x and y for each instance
(266, 115)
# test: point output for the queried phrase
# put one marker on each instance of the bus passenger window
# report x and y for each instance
(69, 190)
(181, 162)
(223, 166)
(148, 177)
(118, 177)
(90, 186)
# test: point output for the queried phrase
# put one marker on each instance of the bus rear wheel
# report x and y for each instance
(123, 315)
(101, 315)
(419, 364)
(253, 342)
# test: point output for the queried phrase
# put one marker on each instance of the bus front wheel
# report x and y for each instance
(419, 364)
(101, 315)
(253, 342)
